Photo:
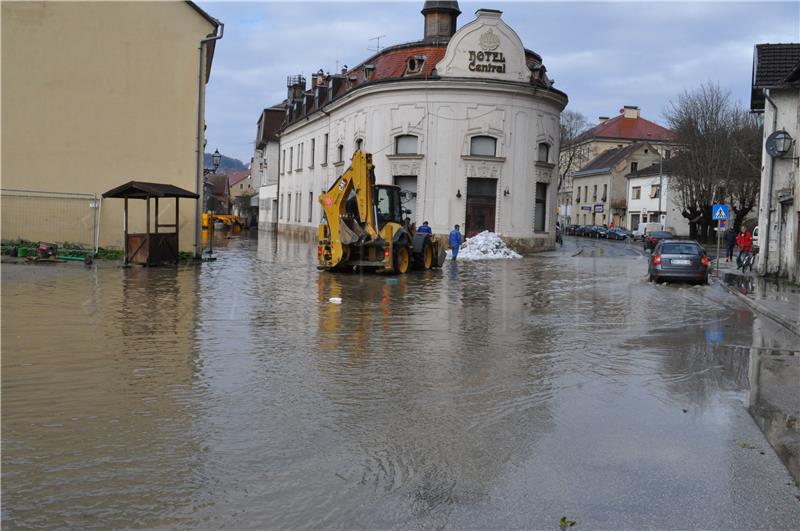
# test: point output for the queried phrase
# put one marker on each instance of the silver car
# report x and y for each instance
(679, 260)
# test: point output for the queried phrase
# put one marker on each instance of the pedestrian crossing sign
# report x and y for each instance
(719, 212)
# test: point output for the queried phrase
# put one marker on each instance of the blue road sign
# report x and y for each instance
(719, 212)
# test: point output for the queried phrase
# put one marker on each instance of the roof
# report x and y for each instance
(235, 177)
(142, 190)
(605, 161)
(440, 5)
(219, 186)
(774, 66)
(665, 167)
(629, 129)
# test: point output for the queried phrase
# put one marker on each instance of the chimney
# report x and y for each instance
(602, 119)
(296, 87)
(440, 20)
(630, 111)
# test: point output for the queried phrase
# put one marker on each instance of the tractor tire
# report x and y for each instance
(402, 259)
(424, 259)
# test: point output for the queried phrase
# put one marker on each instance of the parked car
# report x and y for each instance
(679, 260)
(583, 230)
(600, 231)
(652, 239)
(643, 229)
(755, 236)
(618, 233)
(570, 229)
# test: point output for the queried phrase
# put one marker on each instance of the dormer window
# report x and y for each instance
(369, 70)
(414, 64)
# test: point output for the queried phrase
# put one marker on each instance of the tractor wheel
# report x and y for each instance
(402, 259)
(427, 256)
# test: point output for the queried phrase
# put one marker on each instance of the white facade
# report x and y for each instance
(652, 200)
(441, 118)
(778, 216)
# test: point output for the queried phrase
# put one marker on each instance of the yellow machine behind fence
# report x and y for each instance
(363, 226)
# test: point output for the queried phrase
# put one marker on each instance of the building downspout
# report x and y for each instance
(770, 176)
(199, 153)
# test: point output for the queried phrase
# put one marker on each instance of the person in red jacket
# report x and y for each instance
(744, 241)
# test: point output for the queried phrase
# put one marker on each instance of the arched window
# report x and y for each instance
(359, 144)
(405, 145)
(483, 146)
(544, 152)
(340, 153)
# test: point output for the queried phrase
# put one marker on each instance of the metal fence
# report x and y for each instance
(67, 219)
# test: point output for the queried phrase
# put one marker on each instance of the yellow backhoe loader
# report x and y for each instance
(363, 228)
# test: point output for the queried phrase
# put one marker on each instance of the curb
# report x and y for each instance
(793, 327)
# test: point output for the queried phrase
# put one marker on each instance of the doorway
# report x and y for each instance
(481, 205)
(408, 196)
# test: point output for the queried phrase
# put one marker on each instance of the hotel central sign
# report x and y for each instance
(487, 59)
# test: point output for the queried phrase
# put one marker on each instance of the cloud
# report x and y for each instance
(602, 54)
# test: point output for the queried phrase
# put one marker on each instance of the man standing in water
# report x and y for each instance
(455, 241)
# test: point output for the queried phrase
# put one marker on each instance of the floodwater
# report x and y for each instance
(483, 395)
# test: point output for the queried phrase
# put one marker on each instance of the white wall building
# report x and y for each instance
(264, 168)
(466, 123)
(651, 199)
(776, 93)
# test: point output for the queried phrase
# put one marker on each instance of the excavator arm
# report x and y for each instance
(346, 226)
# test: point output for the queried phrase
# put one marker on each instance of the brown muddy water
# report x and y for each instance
(484, 395)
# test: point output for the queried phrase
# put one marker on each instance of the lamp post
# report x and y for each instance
(216, 158)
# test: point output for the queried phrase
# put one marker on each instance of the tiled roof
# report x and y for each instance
(235, 177)
(773, 63)
(629, 129)
(608, 159)
(666, 167)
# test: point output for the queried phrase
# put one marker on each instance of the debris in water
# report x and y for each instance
(566, 522)
(484, 246)
(335, 300)
(746, 446)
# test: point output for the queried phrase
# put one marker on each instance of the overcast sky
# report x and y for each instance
(602, 54)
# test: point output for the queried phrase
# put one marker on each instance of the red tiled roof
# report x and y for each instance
(629, 129)
(609, 158)
(235, 177)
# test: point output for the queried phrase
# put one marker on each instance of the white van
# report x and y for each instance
(644, 229)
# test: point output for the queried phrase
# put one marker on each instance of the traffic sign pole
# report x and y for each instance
(719, 226)
(719, 213)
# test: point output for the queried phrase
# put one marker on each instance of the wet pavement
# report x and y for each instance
(502, 394)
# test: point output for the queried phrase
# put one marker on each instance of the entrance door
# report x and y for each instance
(481, 204)
(408, 196)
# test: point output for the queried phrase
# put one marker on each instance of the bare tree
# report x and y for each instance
(573, 154)
(716, 158)
(744, 182)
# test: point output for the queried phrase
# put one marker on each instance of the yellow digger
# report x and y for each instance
(362, 226)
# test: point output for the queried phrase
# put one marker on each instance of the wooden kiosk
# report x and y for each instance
(151, 248)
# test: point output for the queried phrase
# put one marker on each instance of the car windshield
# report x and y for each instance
(659, 234)
(680, 248)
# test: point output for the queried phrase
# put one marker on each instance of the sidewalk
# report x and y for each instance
(777, 299)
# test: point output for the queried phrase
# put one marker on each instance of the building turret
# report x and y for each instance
(440, 20)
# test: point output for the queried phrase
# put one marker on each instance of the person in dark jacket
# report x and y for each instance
(425, 228)
(455, 241)
(730, 243)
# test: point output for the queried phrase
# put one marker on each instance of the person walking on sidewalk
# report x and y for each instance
(744, 240)
(455, 241)
(730, 243)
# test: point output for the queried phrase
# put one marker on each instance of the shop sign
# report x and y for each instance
(598, 208)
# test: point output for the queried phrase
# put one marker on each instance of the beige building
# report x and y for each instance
(96, 94)
(601, 189)
(609, 133)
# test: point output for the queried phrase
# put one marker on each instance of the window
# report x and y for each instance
(586, 193)
(288, 207)
(340, 153)
(634, 166)
(241, 186)
(313, 149)
(291, 159)
(310, 205)
(283, 162)
(594, 195)
(605, 193)
(483, 146)
(540, 214)
(655, 191)
(544, 152)
(636, 192)
(578, 194)
(667, 154)
(281, 208)
(297, 207)
(405, 145)
(325, 149)
(359, 144)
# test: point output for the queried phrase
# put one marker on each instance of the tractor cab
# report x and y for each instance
(387, 201)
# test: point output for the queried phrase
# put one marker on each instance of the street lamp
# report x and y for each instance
(779, 143)
(216, 158)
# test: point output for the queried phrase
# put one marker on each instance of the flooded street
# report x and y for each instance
(501, 394)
